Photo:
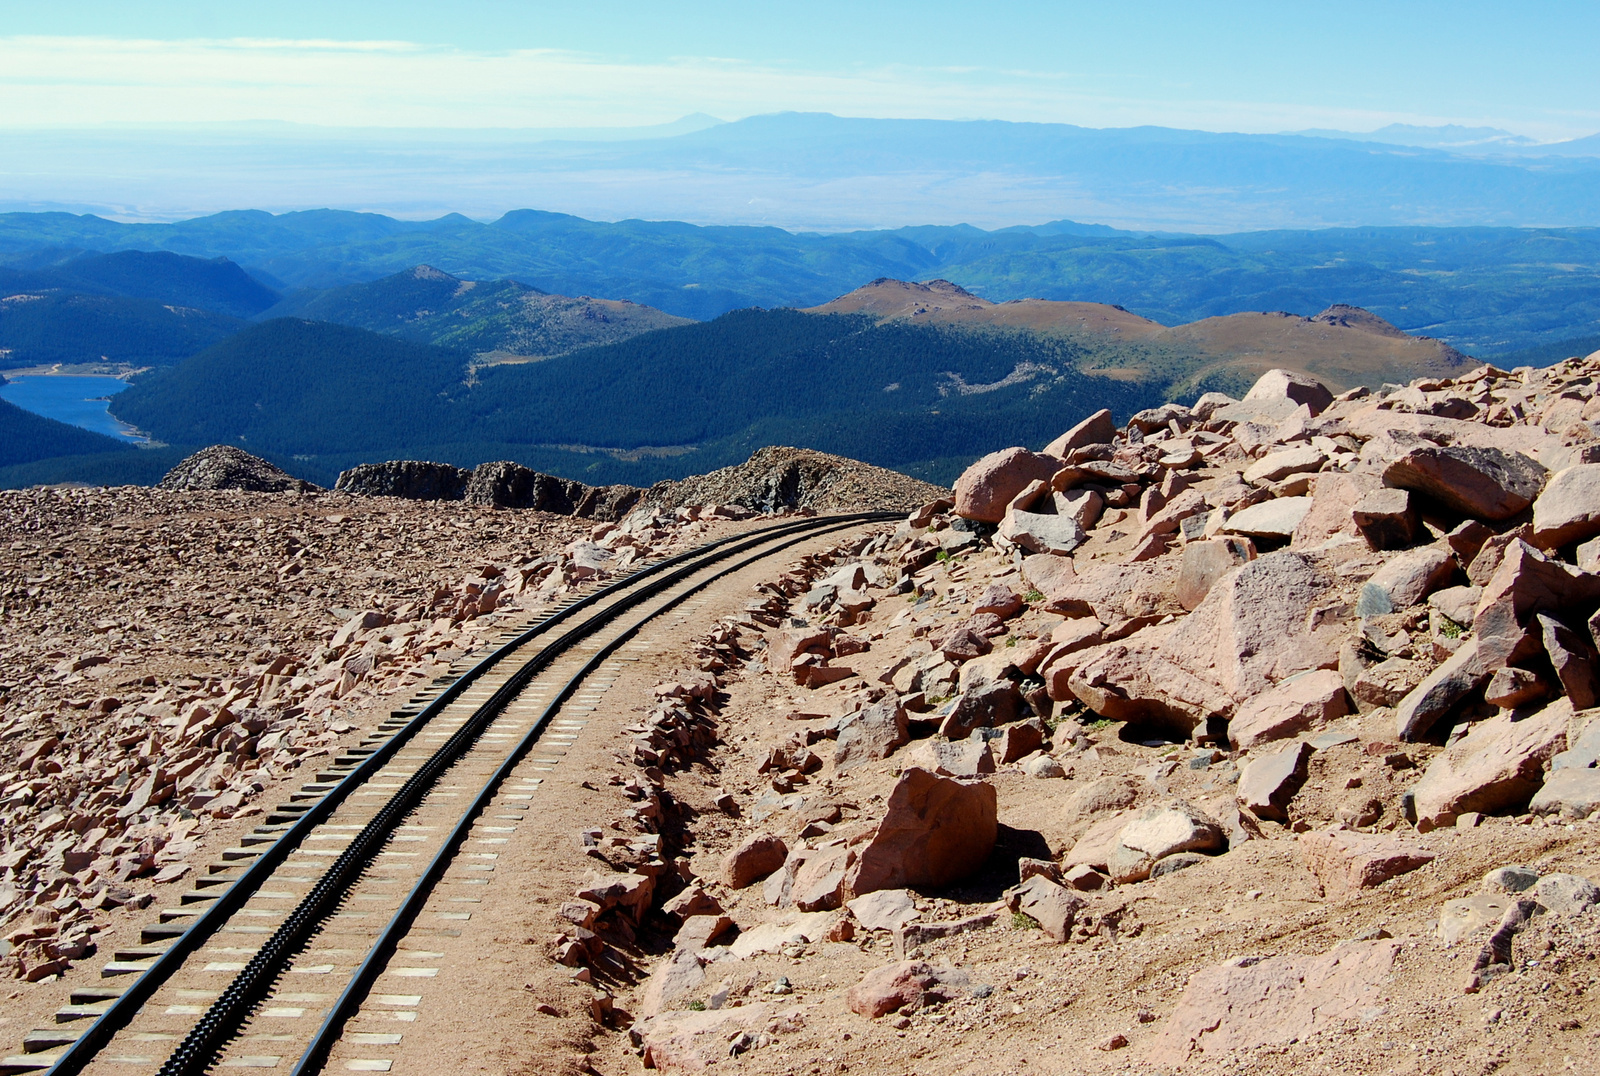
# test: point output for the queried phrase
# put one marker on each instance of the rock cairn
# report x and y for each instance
(226, 467)
(777, 479)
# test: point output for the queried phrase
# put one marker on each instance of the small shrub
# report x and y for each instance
(1099, 723)
(1023, 921)
(1033, 596)
(942, 555)
(1011, 640)
(697, 1006)
(1449, 628)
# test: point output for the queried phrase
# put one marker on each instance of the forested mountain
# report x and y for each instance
(501, 318)
(44, 327)
(662, 404)
(26, 437)
(213, 284)
(1482, 290)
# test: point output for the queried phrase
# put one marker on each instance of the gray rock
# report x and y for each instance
(1509, 880)
(1466, 916)
(1175, 863)
(1569, 792)
(417, 480)
(1576, 663)
(1042, 533)
(1565, 894)
(1270, 519)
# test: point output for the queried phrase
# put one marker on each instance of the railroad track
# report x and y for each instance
(341, 883)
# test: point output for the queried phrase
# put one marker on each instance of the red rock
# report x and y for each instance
(628, 893)
(935, 831)
(1387, 519)
(1484, 483)
(819, 882)
(1497, 766)
(923, 515)
(998, 600)
(1249, 1002)
(1051, 906)
(873, 733)
(1268, 782)
(1300, 704)
(754, 859)
(692, 901)
(1047, 573)
(910, 984)
(988, 706)
(986, 489)
(1574, 659)
(1569, 508)
(1097, 429)
(1205, 562)
(1345, 862)
(692, 1041)
(1406, 580)
(672, 981)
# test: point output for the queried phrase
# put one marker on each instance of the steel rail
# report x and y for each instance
(388, 940)
(122, 1011)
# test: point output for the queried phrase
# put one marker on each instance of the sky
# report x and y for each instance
(1255, 67)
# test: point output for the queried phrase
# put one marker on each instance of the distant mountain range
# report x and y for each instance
(1454, 138)
(1482, 290)
(816, 171)
(918, 377)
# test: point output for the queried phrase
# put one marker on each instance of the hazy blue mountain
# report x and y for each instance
(805, 171)
(1484, 290)
(1449, 136)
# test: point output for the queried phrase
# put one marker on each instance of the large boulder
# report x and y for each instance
(1302, 703)
(1386, 518)
(1291, 386)
(1097, 429)
(1253, 630)
(986, 489)
(1206, 561)
(417, 480)
(874, 732)
(935, 831)
(1159, 831)
(1569, 508)
(1569, 792)
(910, 984)
(1249, 1002)
(1406, 579)
(1497, 766)
(226, 467)
(1346, 862)
(1484, 483)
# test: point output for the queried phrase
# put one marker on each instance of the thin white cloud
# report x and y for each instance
(71, 81)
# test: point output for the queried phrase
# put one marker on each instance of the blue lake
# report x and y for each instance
(78, 401)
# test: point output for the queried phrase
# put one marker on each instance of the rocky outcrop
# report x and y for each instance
(778, 479)
(416, 480)
(226, 467)
(500, 484)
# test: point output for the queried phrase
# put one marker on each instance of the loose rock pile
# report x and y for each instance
(776, 479)
(1279, 706)
(168, 655)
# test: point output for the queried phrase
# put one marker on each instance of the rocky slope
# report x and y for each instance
(169, 655)
(1254, 737)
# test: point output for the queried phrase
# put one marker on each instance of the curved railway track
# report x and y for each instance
(307, 875)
